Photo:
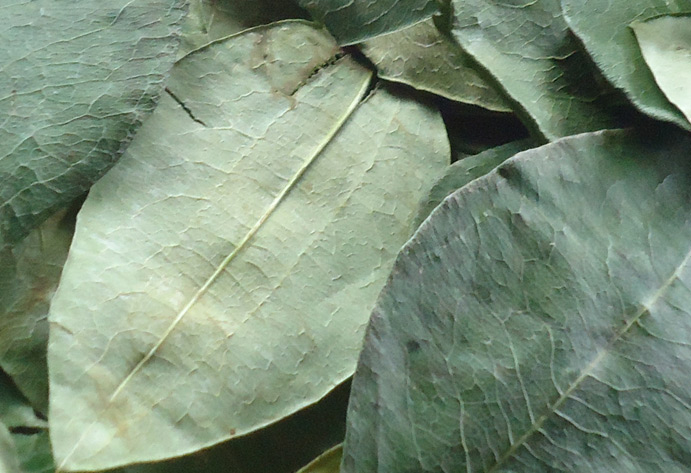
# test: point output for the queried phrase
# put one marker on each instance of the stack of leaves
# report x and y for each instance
(214, 214)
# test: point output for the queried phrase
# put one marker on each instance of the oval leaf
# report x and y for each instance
(666, 46)
(428, 60)
(527, 47)
(539, 320)
(603, 27)
(76, 83)
(234, 254)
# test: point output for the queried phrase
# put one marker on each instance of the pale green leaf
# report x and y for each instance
(9, 461)
(222, 273)
(327, 462)
(209, 20)
(29, 275)
(539, 320)
(528, 49)
(428, 60)
(603, 27)
(354, 21)
(465, 170)
(666, 47)
(76, 79)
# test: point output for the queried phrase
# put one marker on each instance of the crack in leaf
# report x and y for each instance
(185, 107)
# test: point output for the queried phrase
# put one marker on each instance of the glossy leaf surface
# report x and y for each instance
(539, 320)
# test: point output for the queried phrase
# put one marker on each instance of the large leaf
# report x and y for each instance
(29, 275)
(603, 27)
(539, 320)
(209, 20)
(428, 60)
(76, 80)
(354, 21)
(666, 47)
(222, 273)
(527, 47)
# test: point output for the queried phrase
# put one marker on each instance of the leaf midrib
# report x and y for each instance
(645, 308)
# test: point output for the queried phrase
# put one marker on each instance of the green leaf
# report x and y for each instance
(77, 81)
(327, 462)
(539, 320)
(462, 172)
(603, 27)
(209, 20)
(235, 252)
(428, 60)
(354, 21)
(9, 461)
(15, 410)
(34, 453)
(29, 275)
(666, 47)
(527, 47)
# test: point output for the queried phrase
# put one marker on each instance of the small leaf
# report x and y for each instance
(603, 27)
(75, 84)
(666, 46)
(29, 274)
(467, 169)
(235, 252)
(426, 59)
(354, 21)
(327, 462)
(539, 320)
(527, 48)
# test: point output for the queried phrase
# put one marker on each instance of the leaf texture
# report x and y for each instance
(604, 30)
(75, 84)
(222, 273)
(527, 48)
(354, 21)
(428, 60)
(665, 43)
(539, 320)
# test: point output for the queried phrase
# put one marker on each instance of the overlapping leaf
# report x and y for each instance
(666, 47)
(428, 60)
(527, 47)
(604, 30)
(328, 462)
(354, 21)
(76, 79)
(222, 272)
(539, 320)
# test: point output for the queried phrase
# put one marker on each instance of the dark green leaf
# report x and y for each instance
(539, 320)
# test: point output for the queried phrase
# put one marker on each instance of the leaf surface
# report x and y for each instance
(527, 48)
(428, 60)
(234, 254)
(603, 28)
(327, 462)
(354, 21)
(75, 84)
(665, 43)
(29, 274)
(9, 461)
(539, 320)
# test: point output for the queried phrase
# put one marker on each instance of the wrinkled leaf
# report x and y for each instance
(209, 20)
(527, 47)
(539, 320)
(428, 60)
(603, 27)
(29, 275)
(327, 462)
(235, 252)
(665, 43)
(354, 21)
(462, 172)
(9, 461)
(75, 83)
